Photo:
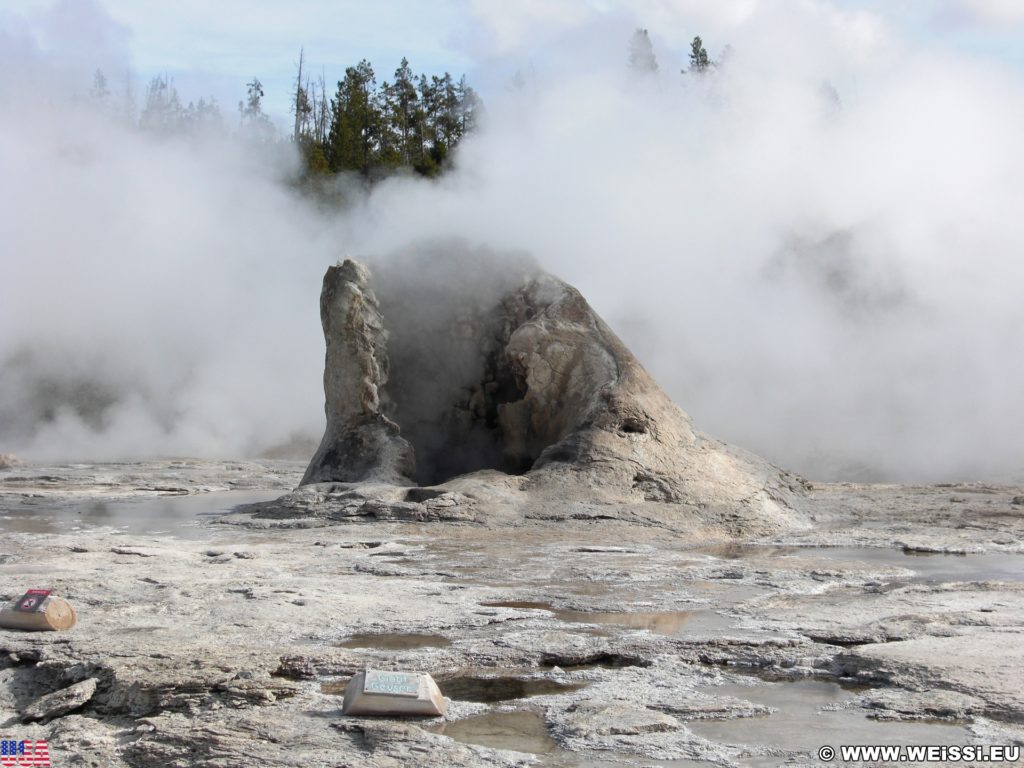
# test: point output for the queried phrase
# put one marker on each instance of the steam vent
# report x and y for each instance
(444, 365)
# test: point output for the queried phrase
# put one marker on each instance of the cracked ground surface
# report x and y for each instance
(898, 617)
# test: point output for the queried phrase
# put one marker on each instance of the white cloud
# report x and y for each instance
(994, 11)
(509, 26)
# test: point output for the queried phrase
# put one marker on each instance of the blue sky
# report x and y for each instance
(214, 48)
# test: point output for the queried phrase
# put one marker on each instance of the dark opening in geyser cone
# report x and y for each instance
(454, 361)
(421, 384)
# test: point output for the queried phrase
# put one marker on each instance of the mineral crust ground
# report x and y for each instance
(562, 633)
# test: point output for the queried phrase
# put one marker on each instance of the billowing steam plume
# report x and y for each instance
(814, 245)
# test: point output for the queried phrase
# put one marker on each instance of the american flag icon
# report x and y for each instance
(24, 754)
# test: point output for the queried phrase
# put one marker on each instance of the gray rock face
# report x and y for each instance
(603, 718)
(446, 375)
(59, 703)
(361, 442)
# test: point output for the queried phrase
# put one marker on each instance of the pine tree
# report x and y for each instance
(252, 120)
(413, 122)
(126, 110)
(389, 138)
(321, 106)
(404, 112)
(251, 116)
(448, 117)
(428, 157)
(162, 112)
(355, 122)
(100, 92)
(203, 116)
(699, 61)
(470, 107)
(641, 53)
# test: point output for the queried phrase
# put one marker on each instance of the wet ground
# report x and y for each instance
(807, 714)
(395, 641)
(180, 515)
(925, 566)
(576, 644)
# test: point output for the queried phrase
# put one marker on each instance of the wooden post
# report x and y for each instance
(55, 614)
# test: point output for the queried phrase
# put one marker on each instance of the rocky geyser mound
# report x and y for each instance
(433, 373)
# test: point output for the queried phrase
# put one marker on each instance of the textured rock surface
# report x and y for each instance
(600, 718)
(519, 376)
(60, 702)
(986, 666)
(232, 645)
(361, 442)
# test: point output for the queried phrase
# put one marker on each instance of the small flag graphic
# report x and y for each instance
(24, 754)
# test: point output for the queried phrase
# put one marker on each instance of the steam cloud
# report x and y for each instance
(831, 282)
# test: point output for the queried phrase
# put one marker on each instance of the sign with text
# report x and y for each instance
(392, 683)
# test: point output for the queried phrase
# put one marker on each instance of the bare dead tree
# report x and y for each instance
(300, 103)
(323, 109)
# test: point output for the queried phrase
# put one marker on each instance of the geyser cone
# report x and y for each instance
(361, 442)
(449, 373)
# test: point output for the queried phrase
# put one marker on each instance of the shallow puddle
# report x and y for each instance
(670, 623)
(596, 661)
(522, 731)
(608, 759)
(177, 515)
(927, 566)
(484, 690)
(522, 604)
(394, 641)
(734, 551)
(800, 724)
(488, 690)
(525, 731)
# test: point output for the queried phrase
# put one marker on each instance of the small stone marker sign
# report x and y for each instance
(376, 692)
(392, 683)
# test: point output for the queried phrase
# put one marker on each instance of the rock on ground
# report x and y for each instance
(60, 702)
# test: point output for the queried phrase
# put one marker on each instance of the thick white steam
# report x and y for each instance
(158, 294)
(816, 248)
